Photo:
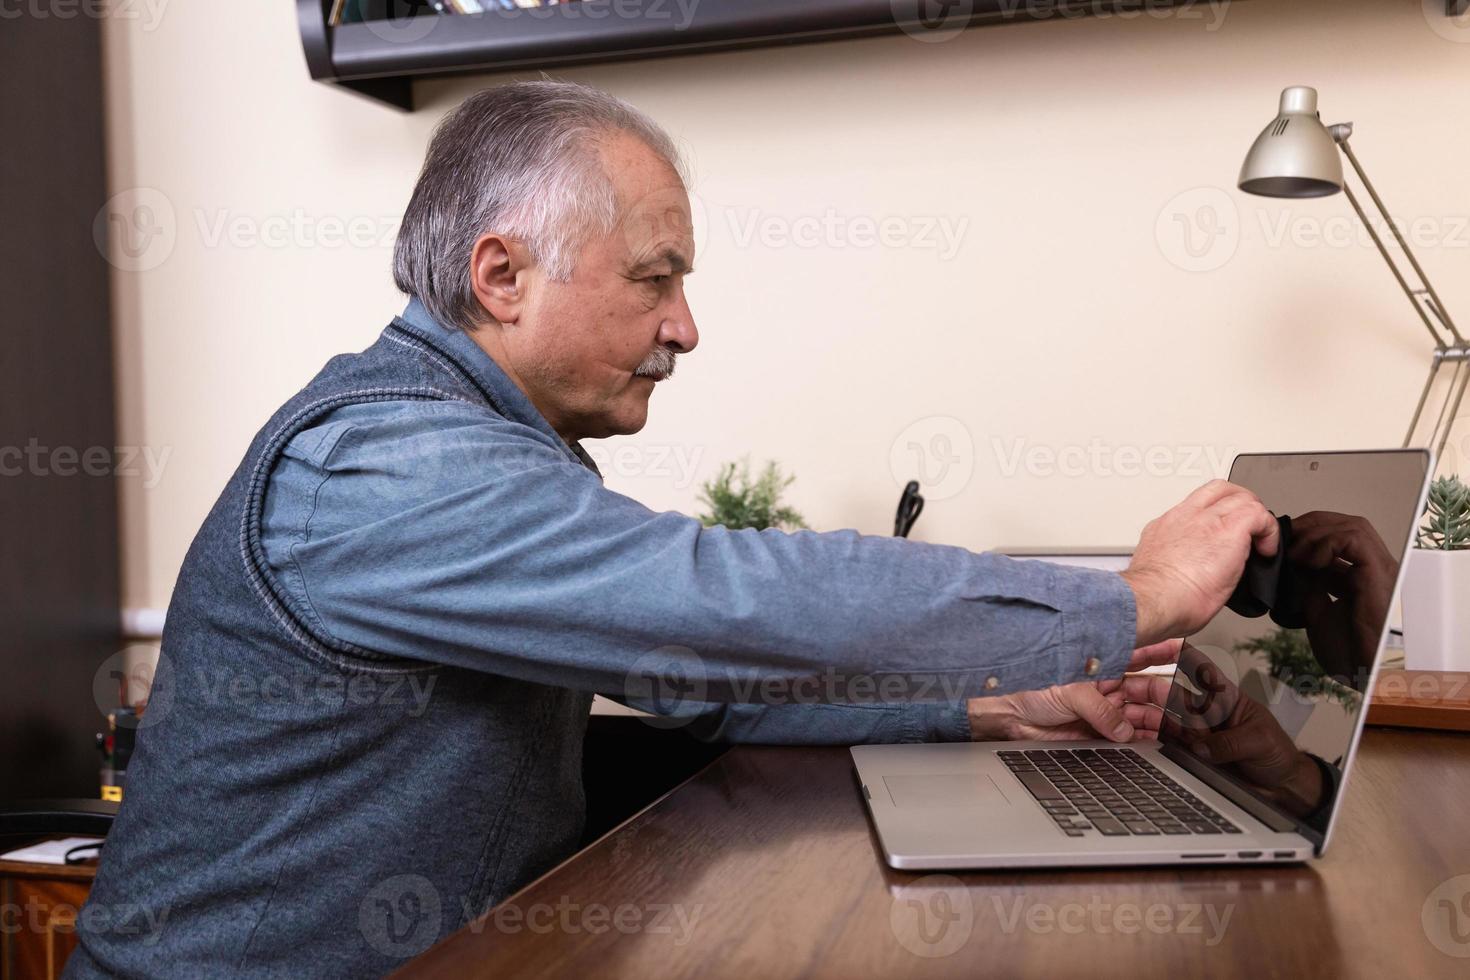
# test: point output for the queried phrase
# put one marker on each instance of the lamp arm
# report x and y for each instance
(1449, 371)
(1420, 298)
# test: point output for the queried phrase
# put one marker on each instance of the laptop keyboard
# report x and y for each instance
(1116, 792)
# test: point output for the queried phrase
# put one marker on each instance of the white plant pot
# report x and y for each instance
(1436, 598)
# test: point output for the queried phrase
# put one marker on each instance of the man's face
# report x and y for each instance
(578, 346)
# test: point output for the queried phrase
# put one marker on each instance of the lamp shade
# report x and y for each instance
(1294, 156)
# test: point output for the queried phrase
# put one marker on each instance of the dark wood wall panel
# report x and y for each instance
(58, 534)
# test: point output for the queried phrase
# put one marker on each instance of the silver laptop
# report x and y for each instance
(1258, 731)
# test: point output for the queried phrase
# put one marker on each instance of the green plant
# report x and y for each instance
(736, 501)
(1446, 525)
(1292, 663)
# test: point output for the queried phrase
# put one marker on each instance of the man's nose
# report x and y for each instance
(678, 332)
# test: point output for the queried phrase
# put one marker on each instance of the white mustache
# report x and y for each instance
(659, 364)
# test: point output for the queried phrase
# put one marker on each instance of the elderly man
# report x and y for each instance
(367, 721)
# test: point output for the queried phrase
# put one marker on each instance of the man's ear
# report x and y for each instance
(498, 269)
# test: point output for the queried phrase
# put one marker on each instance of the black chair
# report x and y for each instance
(34, 818)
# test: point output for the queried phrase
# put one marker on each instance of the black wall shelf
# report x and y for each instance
(381, 59)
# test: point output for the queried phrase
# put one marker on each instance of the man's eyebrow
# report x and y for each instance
(675, 258)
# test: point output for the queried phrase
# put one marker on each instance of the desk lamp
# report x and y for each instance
(1296, 157)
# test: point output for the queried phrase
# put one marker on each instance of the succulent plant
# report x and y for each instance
(1446, 524)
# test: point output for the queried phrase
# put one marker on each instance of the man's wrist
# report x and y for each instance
(1151, 625)
(991, 719)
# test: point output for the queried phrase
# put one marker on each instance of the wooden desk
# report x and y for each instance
(769, 855)
(38, 911)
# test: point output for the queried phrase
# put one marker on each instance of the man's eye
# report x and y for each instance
(659, 280)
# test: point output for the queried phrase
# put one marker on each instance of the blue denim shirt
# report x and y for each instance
(367, 722)
(387, 525)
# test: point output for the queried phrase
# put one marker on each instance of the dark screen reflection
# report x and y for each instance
(1272, 700)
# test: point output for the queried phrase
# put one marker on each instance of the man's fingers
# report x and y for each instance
(1146, 689)
(1211, 494)
(1155, 655)
(1087, 703)
(1145, 718)
(1259, 522)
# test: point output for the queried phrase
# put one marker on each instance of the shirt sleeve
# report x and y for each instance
(451, 537)
(816, 723)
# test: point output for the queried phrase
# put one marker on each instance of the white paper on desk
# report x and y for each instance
(51, 851)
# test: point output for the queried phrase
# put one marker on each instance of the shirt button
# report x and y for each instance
(1093, 666)
(991, 683)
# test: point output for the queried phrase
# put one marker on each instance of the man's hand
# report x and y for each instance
(1074, 711)
(1188, 561)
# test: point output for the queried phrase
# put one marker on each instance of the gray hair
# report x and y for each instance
(520, 160)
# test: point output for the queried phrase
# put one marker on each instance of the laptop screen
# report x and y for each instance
(1272, 699)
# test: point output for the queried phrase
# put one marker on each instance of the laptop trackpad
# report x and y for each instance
(943, 789)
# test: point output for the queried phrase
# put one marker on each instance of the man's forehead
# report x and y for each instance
(654, 220)
(658, 228)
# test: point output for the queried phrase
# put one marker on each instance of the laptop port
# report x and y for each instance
(1201, 857)
(1249, 854)
(1284, 854)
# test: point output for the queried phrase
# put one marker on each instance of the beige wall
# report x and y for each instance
(1070, 317)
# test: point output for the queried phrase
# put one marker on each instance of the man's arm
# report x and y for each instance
(457, 538)
(441, 533)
